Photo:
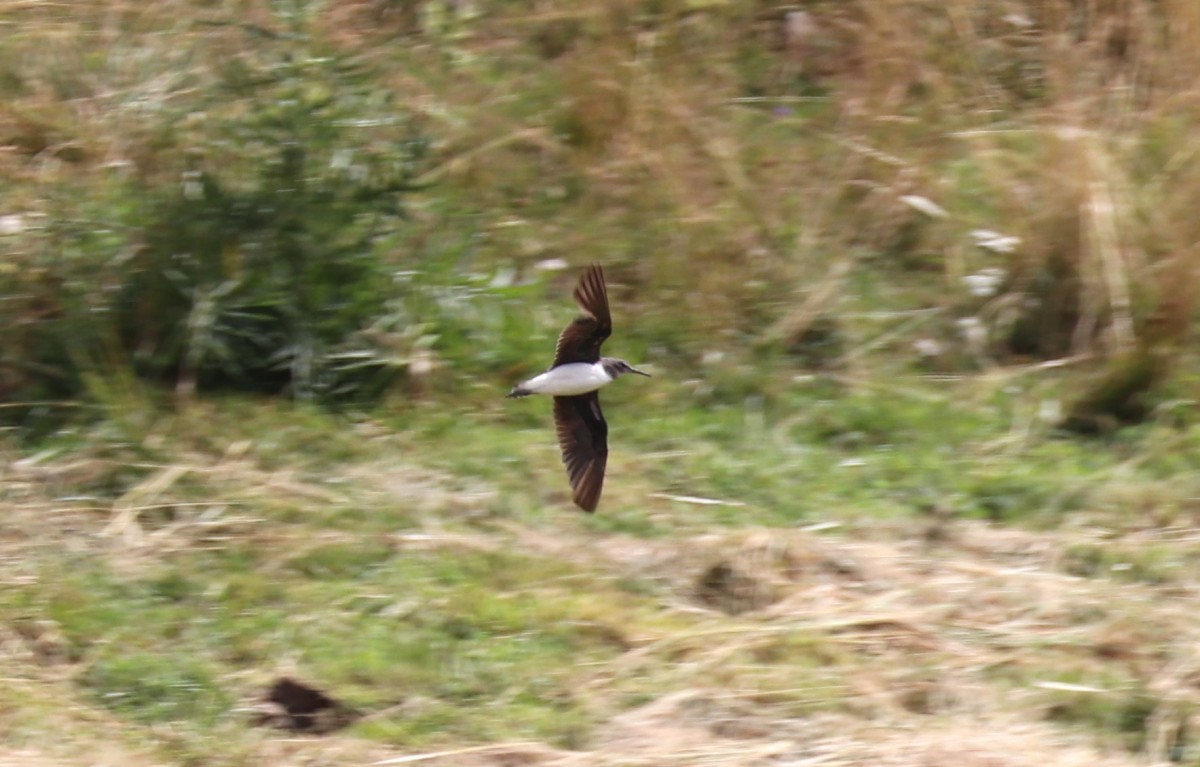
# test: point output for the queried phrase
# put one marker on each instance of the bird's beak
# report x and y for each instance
(632, 369)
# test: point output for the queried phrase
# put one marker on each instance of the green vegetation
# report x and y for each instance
(916, 474)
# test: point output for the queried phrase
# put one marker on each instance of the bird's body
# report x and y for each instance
(565, 380)
(573, 379)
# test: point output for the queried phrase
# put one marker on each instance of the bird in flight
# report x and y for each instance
(573, 380)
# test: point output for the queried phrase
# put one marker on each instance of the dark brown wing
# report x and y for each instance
(580, 341)
(583, 437)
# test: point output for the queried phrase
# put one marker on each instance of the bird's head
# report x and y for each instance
(615, 367)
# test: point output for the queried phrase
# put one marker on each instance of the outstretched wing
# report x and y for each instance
(580, 341)
(583, 438)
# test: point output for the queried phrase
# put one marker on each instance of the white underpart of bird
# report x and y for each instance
(569, 380)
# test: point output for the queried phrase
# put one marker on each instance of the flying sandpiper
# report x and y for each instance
(573, 380)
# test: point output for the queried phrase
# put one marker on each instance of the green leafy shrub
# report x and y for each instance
(262, 257)
(242, 247)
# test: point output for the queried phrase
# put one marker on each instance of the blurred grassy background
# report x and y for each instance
(903, 271)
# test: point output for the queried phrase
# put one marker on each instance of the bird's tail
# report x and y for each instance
(518, 392)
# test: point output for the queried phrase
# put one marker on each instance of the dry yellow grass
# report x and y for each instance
(745, 167)
(880, 646)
